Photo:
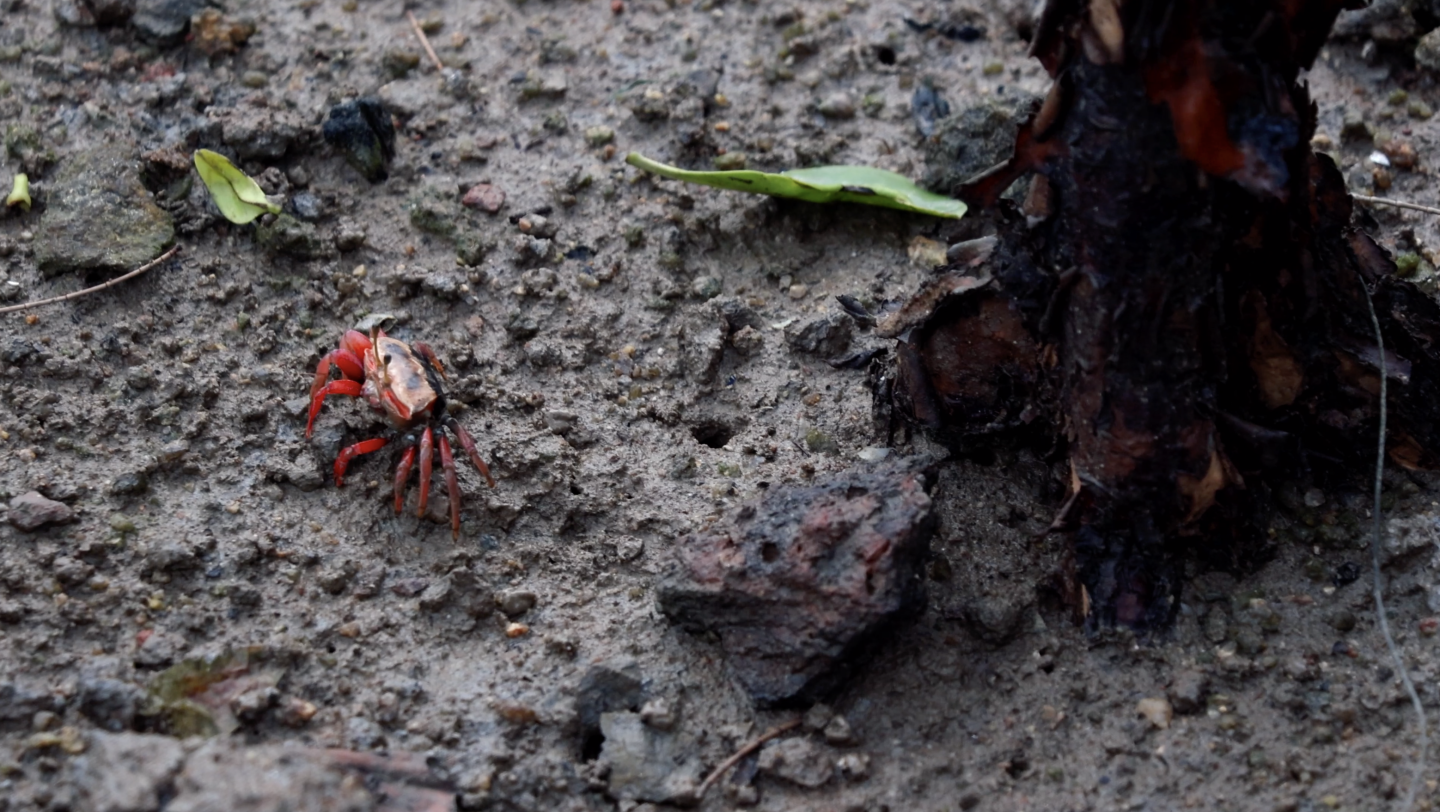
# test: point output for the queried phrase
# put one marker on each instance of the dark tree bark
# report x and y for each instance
(1181, 302)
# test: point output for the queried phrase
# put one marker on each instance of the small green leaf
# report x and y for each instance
(820, 184)
(20, 193)
(238, 197)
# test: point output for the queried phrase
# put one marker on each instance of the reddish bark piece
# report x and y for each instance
(1181, 309)
(485, 197)
(798, 584)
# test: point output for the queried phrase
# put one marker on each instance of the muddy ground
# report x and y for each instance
(617, 414)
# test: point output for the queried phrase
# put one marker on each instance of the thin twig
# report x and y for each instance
(1375, 572)
(749, 748)
(1399, 204)
(424, 40)
(103, 285)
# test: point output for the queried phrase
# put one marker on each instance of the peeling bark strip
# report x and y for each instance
(1180, 305)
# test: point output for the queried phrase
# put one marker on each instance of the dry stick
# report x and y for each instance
(112, 283)
(1375, 571)
(749, 748)
(1399, 204)
(424, 40)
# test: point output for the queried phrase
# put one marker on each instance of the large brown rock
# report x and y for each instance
(798, 584)
(100, 217)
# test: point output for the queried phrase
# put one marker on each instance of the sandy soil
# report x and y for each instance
(594, 371)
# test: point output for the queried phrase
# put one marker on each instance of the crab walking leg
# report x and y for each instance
(350, 366)
(344, 386)
(469, 445)
(427, 463)
(402, 473)
(351, 452)
(452, 486)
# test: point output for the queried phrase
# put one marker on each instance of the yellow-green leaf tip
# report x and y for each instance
(239, 198)
(19, 192)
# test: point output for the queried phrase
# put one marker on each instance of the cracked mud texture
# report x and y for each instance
(622, 352)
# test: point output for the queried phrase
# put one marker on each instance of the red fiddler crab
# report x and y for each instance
(402, 381)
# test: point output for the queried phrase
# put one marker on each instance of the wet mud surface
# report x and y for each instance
(636, 360)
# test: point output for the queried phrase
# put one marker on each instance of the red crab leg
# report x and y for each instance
(427, 462)
(344, 386)
(469, 445)
(402, 474)
(351, 452)
(452, 486)
(350, 366)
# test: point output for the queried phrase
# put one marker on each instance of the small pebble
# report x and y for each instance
(1156, 710)
(513, 630)
(599, 135)
(840, 105)
(730, 161)
(515, 603)
(485, 197)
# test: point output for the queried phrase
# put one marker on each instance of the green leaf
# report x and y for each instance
(820, 184)
(19, 193)
(238, 197)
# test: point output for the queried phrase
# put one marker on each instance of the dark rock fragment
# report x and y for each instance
(362, 131)
(798, 585)
(297, 238)
(1187, 692)
(19, 704)
(972, 141)
(927, 107)
(828, 335)
(31, 511)
(605, 689)
(109, 703)
(164, 22)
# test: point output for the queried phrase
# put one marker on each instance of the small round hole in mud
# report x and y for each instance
(769, 552)
(712, 433)
(885, 54)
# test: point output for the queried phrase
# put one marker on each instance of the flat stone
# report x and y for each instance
(223, 774)
(31, 511)
(100, 217)
(1187, 692)
(798, 760)
(165, 22)
(797, 585)
(647, 764)
(1407, 537)
(126, 772)
(260, 133)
